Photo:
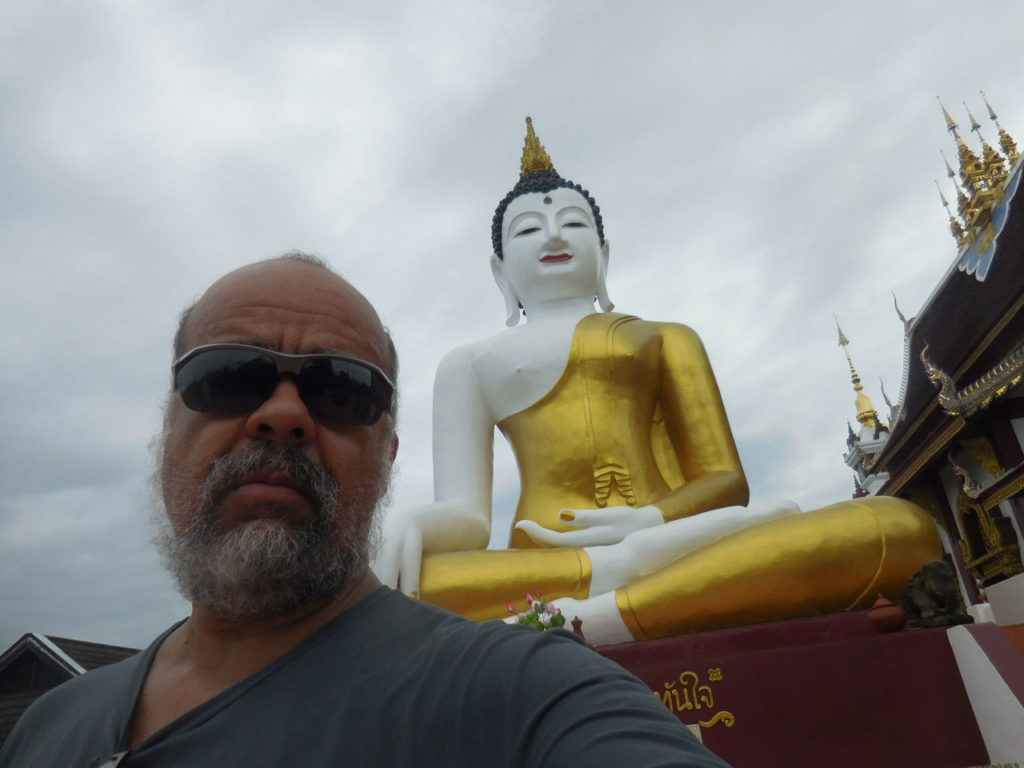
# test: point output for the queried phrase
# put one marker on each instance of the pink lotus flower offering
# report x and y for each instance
(539, 614)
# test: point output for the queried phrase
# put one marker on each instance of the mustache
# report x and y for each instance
(315, 481)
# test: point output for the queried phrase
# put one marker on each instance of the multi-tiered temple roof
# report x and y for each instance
(955, 437)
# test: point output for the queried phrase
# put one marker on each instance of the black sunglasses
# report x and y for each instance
(231, 379)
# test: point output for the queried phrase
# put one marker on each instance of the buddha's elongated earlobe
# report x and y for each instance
(511, 308)
(512, 302)
(603, 301)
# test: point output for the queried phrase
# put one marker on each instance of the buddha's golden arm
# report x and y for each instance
(698, 428)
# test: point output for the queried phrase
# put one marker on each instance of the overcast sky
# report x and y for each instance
(758, 168)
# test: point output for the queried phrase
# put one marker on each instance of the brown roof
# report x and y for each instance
(92, 655)
(36, 663)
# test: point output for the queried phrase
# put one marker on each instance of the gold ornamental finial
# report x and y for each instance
(995, 170)
(949, 171)
(843, 341)
(535, 157)
(955, 228)
(1006, 141)
(991, 112)
(975, 125)
(951, 125)
(866, 413)
(972, 169)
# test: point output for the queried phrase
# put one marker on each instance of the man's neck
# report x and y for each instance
(207, 637)
(209, 654)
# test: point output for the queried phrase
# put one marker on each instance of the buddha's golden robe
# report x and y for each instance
(634, 419)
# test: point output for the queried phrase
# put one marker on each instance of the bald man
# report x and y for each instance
(279, 438)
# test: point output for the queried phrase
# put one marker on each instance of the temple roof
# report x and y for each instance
(971, 322)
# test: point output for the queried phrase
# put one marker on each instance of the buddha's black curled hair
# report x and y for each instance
(540, 181)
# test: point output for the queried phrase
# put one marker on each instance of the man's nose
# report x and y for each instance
(283, 417)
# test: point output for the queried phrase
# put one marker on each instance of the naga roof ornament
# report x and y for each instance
(980, 393)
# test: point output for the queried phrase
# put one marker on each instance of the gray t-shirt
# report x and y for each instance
(390, 682)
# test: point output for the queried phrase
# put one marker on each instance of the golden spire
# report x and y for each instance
(994, 166)
(1005, 140)
(967, 157)
(866, 413)
(535, 157)
(949, 171)
(950, 122)
(975, 125)
(991, 112)
(955, 228)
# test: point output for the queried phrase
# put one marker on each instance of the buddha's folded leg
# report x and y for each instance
(833, 559)
(481, 583)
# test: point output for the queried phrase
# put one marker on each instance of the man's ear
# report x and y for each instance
(394, 449)
(511, 300)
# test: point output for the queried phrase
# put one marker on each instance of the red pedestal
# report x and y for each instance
(813, 692)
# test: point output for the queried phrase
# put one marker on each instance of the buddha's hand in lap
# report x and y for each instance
(594, 527)
(398, 558)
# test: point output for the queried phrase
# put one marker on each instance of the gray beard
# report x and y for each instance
(269, 567)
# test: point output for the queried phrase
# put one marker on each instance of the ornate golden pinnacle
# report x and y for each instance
(951, 125)
(843, 341)
(535, 157)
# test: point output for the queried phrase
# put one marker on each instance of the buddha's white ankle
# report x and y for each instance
(602, 622)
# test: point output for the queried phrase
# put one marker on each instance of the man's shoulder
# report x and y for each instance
(494, 648)
(425, 628)
(93, 685)
(70, 717)
(489, 683)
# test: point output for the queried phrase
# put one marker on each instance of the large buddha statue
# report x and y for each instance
(632, 507)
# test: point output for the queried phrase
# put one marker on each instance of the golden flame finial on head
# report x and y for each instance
(535, 157)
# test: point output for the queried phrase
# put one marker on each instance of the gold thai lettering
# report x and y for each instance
(725, 718)
(694, 694)
(687, 694)
(670, 698)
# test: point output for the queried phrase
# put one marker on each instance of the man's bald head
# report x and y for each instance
(389, 357)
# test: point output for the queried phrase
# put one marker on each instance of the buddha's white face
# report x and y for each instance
(551, 247)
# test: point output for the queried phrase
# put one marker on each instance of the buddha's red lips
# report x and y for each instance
(556, 258)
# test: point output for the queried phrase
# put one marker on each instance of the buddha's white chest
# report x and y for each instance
(517, 368)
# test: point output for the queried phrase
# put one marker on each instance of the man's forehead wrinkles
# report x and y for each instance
(297, 331)
(271, 346)
(286, 318)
